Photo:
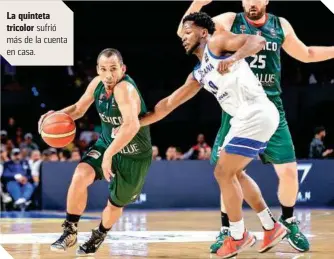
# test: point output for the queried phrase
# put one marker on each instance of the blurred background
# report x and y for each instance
(145, 34)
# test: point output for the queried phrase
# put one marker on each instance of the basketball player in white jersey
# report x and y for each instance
(240, 94)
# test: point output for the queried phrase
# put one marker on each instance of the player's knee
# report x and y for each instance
(287, 172)
(83, 176)
(241, 175)
(112, 207)
(223, 172)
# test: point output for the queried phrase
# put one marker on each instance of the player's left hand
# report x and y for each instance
(106, 167)
(225, 64)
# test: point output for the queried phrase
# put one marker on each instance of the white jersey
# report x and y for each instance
(232, 90)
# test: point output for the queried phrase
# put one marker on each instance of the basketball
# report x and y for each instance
(58, 130)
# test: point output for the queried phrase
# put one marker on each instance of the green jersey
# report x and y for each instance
(266, 64)
(111, 119)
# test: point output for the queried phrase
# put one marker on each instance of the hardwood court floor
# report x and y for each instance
(159, 234)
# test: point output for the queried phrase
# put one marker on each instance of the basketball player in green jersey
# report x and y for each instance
(267, 66)
(126, 157)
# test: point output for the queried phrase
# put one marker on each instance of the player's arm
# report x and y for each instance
(298, 50)
(195, 6)
(223, 21)
(77, 110)
(164, 107)
(243, 45)
(128, 102)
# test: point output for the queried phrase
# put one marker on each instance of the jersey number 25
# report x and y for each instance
(259, 61)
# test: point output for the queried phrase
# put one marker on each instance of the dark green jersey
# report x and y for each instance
(267, 63)
(111, 118)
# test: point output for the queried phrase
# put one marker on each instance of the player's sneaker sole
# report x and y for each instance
(84, 255)
(62, 250)
(295, 247)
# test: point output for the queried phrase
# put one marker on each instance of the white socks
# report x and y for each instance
(266, 219)
(237, 229)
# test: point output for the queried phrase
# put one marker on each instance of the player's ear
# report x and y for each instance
(204, 33)
(123, 68)
(267, 2)
(97, 69)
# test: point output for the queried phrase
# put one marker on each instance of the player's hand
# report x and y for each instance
(40, 122)
(225, 64)
(106, 167)
(202, 2)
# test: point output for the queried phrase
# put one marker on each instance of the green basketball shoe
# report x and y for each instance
(219, 240)
(296, 238)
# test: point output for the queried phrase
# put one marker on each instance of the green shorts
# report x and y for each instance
(280, 148)
(130, 173)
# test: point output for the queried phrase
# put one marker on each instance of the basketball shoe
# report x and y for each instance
(232, 247)
(273, 237)
(295, 238)
(90, 247)
(67, 239)
(224, 233)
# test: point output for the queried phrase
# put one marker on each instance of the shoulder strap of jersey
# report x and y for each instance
(237, 18)
(275, 21)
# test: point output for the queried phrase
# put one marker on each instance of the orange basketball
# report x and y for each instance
(58, 130)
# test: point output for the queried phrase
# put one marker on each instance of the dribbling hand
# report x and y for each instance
(40, 122)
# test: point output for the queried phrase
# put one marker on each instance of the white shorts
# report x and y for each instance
(251, 128)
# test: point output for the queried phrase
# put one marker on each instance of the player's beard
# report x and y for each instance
(191, 51)
(257, 16)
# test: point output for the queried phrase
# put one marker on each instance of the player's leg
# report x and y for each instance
(288, 177)
(110, 215)
(229, 165)
(125, 187)
(247, 138)
(253, 196)
(84, 175)
(280, 152)
(225, 224)
(251, 191)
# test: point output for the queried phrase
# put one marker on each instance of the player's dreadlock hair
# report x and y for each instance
(201, 19)
(109, 52)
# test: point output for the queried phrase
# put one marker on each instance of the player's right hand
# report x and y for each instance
(40, 122)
